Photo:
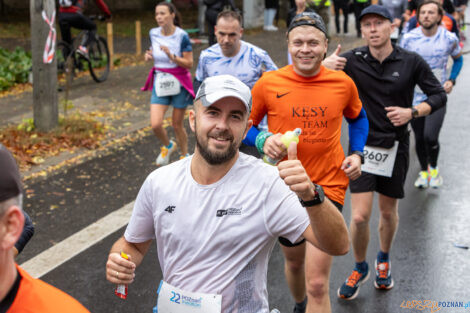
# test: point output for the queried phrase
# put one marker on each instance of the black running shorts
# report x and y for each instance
(392, 187)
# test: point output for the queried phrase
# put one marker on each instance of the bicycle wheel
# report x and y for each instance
(98, 58)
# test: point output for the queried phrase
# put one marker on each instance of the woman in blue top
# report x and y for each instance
(172, 55)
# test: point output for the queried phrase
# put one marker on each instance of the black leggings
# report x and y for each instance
(343, 5)
(427, 131)
(358, 7)
(76, 20)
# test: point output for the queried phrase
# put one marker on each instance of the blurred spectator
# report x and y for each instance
(270, 9)
(343, 5)
(396, 8)
(321, 7)
(359, 5)
(298, 7)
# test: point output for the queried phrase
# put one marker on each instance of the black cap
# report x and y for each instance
(307, 18)
(10, 180)
(377, 10)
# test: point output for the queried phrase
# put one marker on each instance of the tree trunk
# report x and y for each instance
(45, 99)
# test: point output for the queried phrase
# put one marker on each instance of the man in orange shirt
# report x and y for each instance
(19, 292)
(308, 96)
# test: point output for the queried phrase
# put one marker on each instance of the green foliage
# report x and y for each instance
(14, 67)
(27, 125)
(66, 104)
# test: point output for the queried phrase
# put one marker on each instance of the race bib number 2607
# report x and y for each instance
(379, 161)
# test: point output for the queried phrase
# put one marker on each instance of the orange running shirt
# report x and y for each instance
(36, 296)
(316, 105)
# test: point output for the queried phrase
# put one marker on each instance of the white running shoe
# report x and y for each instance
(423, 180)
(435, 180)
(83, 51)
(165, 154)
(271, 28)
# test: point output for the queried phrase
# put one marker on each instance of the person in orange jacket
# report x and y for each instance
(19, 292)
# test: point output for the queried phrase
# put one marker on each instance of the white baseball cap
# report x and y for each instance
(215, 88)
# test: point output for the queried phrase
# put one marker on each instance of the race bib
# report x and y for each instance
(174, 300)
(379, 161)
(166, 85)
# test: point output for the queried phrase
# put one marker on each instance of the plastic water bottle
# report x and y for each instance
(286, 139)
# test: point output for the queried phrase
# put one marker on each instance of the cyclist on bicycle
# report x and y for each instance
(71, 15)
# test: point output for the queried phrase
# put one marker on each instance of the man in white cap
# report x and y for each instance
(217, 214)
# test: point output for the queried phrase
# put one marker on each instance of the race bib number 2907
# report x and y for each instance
(379, 161)
(166, 85)
(175, 300)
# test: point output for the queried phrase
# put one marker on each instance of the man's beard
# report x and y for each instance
(428, 27)
(216, 158)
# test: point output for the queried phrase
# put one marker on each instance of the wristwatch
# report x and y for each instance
(319, 197)
(360, 154)
(414, 113)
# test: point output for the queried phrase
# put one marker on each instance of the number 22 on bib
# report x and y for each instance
(175, 300)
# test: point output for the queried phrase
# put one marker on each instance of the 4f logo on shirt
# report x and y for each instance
(170, 209)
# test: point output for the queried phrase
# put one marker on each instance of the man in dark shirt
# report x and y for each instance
(385, 76)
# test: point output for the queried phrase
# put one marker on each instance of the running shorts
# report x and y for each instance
(392, 187)
(179, 101)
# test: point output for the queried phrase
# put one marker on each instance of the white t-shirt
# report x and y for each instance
(217, 238)
(435, 50)
(248, 65)
(178, 42)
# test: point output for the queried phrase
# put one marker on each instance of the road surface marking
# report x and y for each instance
(60, 253)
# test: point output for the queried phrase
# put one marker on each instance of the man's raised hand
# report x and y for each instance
(295, 176)
(335, 61)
